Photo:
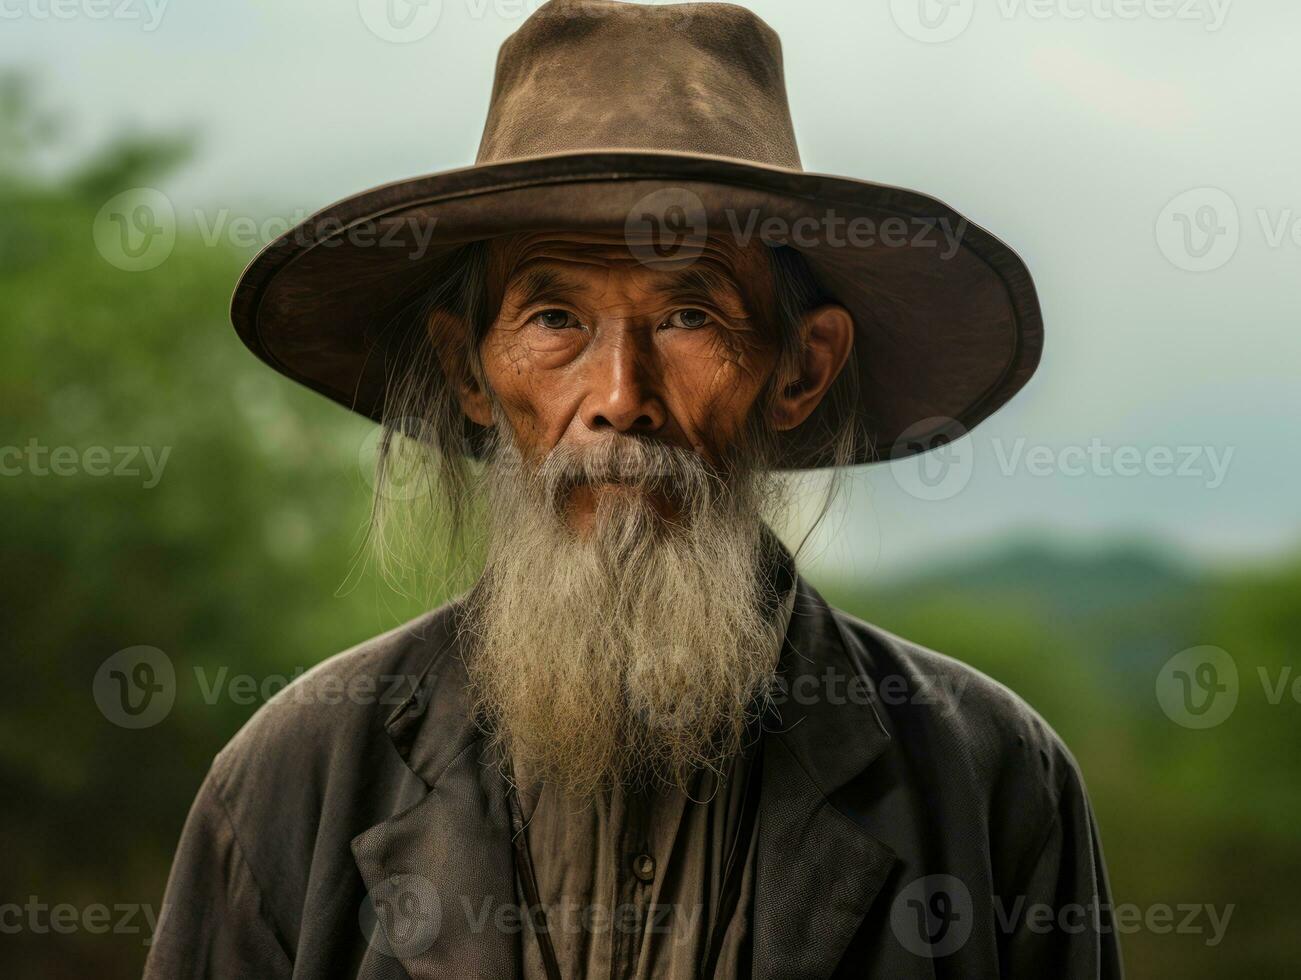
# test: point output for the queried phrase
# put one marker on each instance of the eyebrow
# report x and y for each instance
(702, 280)
(539, 283)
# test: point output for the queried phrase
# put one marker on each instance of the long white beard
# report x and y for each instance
(635, 653)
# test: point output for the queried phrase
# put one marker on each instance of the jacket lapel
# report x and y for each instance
(818, 869)
(439, 874)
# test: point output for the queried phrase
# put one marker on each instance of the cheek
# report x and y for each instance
(713, 386)
(530, 394)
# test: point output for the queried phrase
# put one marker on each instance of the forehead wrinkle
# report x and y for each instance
(548, 282)
(721, 263)
(541, 279)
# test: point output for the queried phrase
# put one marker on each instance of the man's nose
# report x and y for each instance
(622, 394)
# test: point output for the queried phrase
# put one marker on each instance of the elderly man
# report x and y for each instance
(641, 745)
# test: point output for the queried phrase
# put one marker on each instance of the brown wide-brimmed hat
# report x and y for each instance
(670, 121)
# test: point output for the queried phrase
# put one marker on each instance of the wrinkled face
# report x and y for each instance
(591, 342)
(624, 625)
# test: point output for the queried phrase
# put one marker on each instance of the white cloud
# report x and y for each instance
(1110, 90)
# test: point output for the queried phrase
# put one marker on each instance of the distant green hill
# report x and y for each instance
(1126, 601)
(1067, 580)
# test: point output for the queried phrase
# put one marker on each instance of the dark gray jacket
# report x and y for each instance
(916, 820)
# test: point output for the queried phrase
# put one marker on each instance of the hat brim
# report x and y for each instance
(948, 322)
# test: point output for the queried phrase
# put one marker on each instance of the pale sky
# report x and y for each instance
(1066, 127)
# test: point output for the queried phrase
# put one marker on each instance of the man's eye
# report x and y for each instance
(688, 319)
(556, 319)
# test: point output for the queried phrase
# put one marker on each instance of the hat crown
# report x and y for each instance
(598, 75)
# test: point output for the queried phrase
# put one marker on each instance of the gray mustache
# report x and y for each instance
(637, 462)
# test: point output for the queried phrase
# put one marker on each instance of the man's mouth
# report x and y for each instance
(587, 497)
(616, 486)
(616, 489)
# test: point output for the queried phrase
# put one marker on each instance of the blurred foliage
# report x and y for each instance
(245, 558)
(24, 128)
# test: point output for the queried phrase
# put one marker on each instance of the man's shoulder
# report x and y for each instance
(312, 768)
(945, 708)
(338, 709)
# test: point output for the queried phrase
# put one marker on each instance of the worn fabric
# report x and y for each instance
(632, 882)
(913, 814)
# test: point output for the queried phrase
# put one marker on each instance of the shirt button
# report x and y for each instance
(643, 866)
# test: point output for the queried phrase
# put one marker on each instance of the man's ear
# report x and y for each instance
(475, 402)
(447, 333)
(827, 334)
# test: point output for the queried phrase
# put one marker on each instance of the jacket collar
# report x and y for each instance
(440, 872)
(456, 839)
(823, 733)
